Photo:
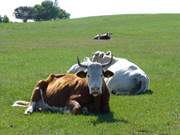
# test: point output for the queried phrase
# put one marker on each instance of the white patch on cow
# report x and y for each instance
(31, 108)
(95, 78)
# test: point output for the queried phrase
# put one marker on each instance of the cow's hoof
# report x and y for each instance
(27, 113)
(29, 110)
(84, 110)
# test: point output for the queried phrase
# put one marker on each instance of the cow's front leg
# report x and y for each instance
(31, 108)
(36, 96)
(105, 101)
(74, 107)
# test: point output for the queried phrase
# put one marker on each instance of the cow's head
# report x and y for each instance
(109, 34)
(95, 74)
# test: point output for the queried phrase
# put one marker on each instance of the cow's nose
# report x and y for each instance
(95, 91)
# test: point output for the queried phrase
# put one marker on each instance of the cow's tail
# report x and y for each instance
(21, 103)
(143, 84)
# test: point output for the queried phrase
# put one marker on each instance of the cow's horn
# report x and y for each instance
(81, 65)
(109, 63)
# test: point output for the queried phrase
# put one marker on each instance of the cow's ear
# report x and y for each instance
(108, 73)
(81, 74)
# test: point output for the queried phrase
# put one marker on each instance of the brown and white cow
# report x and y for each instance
(73, 93)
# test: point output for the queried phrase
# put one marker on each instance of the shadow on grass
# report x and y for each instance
(148, 92)
(107, 118)
(133, 93)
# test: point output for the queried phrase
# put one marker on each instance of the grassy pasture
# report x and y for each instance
(29, 52)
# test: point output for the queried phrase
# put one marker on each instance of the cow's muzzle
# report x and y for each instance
(95, 91)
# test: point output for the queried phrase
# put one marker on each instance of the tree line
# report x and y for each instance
(4, 19)
(47, 10)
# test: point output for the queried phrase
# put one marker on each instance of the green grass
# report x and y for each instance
(29, 52)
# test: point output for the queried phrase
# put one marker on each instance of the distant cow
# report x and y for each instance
(128, 77)
(105, 36)
(73, 93)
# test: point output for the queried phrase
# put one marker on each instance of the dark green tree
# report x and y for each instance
(1, 19)
(47, 10)
(5, 19)
(37, 13)
(63, 14)
(24, 13)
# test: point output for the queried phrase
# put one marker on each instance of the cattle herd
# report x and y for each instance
(87, 86)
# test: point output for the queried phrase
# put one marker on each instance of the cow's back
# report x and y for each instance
(60, 90)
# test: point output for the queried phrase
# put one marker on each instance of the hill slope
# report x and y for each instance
(29, 52)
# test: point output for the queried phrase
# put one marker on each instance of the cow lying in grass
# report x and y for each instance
(105, 36)
(73, 93)
(128, 77)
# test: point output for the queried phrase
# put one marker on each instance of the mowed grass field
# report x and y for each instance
(30, 52)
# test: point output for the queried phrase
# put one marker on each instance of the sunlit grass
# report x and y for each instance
(29, 52)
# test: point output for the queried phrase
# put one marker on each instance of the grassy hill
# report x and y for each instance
(29, 52)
